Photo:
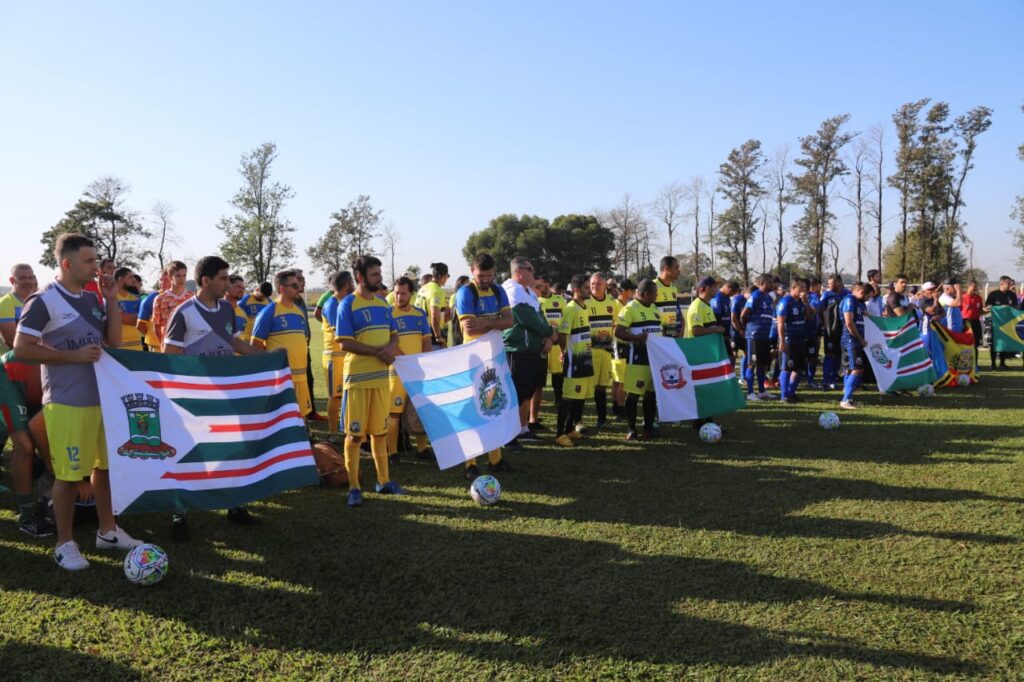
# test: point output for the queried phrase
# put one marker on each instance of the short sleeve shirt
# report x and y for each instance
(851, 304)
(793, 313)
(202, 331)
(575, 324)
(638, 318)
(602, 315)
(369, 322)
(284, 326)
(738, 303)
(699, 314)
(667, 303)
(489, 304)
(762, 314)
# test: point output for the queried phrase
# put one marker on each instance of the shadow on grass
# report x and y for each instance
(26, 662)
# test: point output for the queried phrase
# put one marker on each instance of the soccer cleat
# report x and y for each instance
(501, 465)
(394, 459)
(355, 498)
(753, 398)
(514, 445)
(38, 526)
(848, 405)
(390, 488)
(242, 517)
(426, 454)
(528, 437)
(564, 441)
(180, 531)
(814, 385)
(574, 435)
(116, 539)
(583, 430)
(471, 472)
(833, 387)
(792, 399)
(69, 558)
(632, 435)
(600, 424)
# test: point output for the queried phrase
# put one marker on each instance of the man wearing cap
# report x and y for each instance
(927, 307)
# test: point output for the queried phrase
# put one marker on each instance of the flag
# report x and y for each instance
(464, 397)
(897, 353)
(187, 432)
(693, 378)
(1007, 329)
(953, 354)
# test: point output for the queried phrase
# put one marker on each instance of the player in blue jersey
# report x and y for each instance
(721, 306)
(832, 329)
(758, 318)
(737, 339)
(853, 343)
(792, 315)
(813, 329)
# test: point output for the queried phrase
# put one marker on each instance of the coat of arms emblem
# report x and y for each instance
(143, 412)
(878, 353)
(493, 398)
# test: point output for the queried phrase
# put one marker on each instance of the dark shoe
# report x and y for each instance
(792, 399)
(355, 498)
(650, 434)
(600, 425)
(242, 517)
(471, 473)
(426, 454)
(501, 465)
(38, 526)
(529, 438)
(632, 435)
(537, 426)
(180, 532)
(394, 459)
(514, 445)
(314, 417)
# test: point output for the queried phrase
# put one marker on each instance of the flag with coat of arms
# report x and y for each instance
(693, 378)
(897, 353)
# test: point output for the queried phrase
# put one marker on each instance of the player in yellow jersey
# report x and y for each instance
(637, 322)
(577, 363)
(602, 311)
(128, 301)
(626, 292)
(551, 306)
(413, 338)
(435, 304)
(282, 324)
(234, 294)
(23, 284)
(333, 359)
(253, 303)
(667, 298)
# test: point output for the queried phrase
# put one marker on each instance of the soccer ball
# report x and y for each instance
(828, 421)
(926, 390)
(963, 380)
(710, 433)
(485, 490)
(146, 565)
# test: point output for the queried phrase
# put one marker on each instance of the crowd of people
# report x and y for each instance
(587, 340)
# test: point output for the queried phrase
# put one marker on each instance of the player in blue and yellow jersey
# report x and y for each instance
(367, 333)
(435, 304)
(758, 318)
(414, 337)
(150, 341)
(333, 359)
(253, 303)
(575, 341)
(667, 300)
(234, 294)
(129, 302)
(637, 322)
(792, 316)
(282, 324)
(853, 343)
(482, 307)
(23, 284)
(602, 311)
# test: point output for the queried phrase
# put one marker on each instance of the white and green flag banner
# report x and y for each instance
(186, 432)
(897, 353)
(693, 378)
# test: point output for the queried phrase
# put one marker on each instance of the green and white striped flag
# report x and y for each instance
(693, 378)
(187, 432)
(897, 353)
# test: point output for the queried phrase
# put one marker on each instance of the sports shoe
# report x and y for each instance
(650, 434)
(472, 472)
(116, 539)
(355, 498)
(242, 517)
(514, 444)
(38, 526)
(792, 399)
(574, 435)
(848, 405)
(426, 454)
(765, 395)
(538, 426)
(69, 558)
(180, 531)
(564, 441)
(583, 430)
(528, 437)
(394, 459)
(753, 398)
(632, 435)
(501, 465)
(390, 488)
(833, 387)
(600, 424)
(814, 385)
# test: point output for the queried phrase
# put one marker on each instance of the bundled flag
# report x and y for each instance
(953, 354)
(1007, 329)
(897, 353)
(693, 378)
(187, 432)
(464, 397)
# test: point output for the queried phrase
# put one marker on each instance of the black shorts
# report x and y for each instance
(796, 356)
(759, 352)
(813, 345)
(738, 344)
(529, 372)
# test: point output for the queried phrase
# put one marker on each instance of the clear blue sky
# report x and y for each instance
(449, 114)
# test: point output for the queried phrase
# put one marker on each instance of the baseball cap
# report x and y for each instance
(928, 286)
(706, 282)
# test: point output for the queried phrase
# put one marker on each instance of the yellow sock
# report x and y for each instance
(352, 462)
(333, 413)
(471, 462)
(393, 434)
(494, 456)
(421, 442)
(379, 448)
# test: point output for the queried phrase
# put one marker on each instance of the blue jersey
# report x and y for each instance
(720, 307)
(794, 318)
(739, 301)
(762, 315)
(851, 304)
(954, 319)
(814, 301)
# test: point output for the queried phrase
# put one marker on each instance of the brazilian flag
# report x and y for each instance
(1007, 329)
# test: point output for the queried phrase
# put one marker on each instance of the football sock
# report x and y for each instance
(563, 418)
(649, 407)
(784, 381)
(601, 400)
(557, 381)
(848, 386)
(748, 376)
(352, 462)
(393, 434)
(760, 379)
(494, 456)
(794, 382)
(828, 370)
(577, 413)
(333, 414)
(630, 407)
(379, 448)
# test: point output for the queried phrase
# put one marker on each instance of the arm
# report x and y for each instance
(8, 331)
(780, 327)
(852, 328)
(243, 348)
(526, 316)
(112, 333)
(624, 334)
(436, 323)
(477, 325)
(426, 344)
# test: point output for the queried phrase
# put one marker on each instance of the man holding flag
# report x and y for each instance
(1003, 296)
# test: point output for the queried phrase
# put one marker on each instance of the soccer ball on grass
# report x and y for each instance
(926, 390)
(710, 432)
(828, 421)
(485, 490)
(146, 565)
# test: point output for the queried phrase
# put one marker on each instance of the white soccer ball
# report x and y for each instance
(926, 390)
(146, 565)
(828, 421)
(485, 490)
(710, 433)
(963, 380)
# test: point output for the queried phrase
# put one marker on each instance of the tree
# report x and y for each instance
(739, 182)
(711, 194)
(257, 238)
(689, 263)
(163, 213)
(876, 159)
(628, 223)
(907, 126)
(101, 215)
(667, 207)
(966, 129)
(350, 235)
(822, 164)
(855, 195)
(695, 192)
(391, 239)
(779, 184)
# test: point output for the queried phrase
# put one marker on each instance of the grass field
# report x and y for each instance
(890, 549)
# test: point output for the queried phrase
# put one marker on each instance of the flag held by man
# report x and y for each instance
(953, 354)
(693, 378)
(1007, 329)
(897, 353)
(187, 432)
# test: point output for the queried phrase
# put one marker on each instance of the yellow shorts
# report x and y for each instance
(364, 411)
(77, 441)
(397, 394)
(602, 368)
(555, 361)
(334, 366)
(618, 371)
(638, 379)
(578, 389)
(302, 391)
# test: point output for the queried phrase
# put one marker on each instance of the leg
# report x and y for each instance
(650, 408)
(21, 474)
(601, 401)
(632, 400)
(104, 507)
(379, 448)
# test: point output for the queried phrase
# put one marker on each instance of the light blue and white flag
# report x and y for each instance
(464, 397)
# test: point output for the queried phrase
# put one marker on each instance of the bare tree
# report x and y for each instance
(780, 187)
(854, 195)
(711, 194)
(763, 206)
(667, 207)
(629, 224)
(391, 239)
(163, 214)
(876, 157)
(833, 251)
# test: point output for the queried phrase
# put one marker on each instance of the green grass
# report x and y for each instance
(889, 549)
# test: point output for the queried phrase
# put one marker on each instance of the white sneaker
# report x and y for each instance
(847, 405)
(69, 558)
(118, 539)
(753, 398)
(766, 396)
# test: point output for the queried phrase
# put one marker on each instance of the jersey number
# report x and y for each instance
(73, 453)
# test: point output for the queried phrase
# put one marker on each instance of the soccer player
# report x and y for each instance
(574, 340)
(207, 325)
(435, 304)
(129, 303)
(282, 324)
(333, 359)
(874, 304)
(63, 328)
(313, 415)
(368, 335)
(853, 343)
(602, 311)
(792, 315)
(144, 323)
(551, 307)
(1004, 295)
(667, 301)
(737, 333)
(413, 338)
(832, 329)
(758, 318)
(626, 292)
(23, 284)
(482, 307)
(253, 303)
(234, 294)
(720, 306)
(168, 300)
(638, 321)
(701, 320)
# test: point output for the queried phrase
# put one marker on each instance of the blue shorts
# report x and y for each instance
(854, 356)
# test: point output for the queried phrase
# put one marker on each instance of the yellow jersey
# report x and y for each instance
(131, 337)
(368, 321)
(667, 303)
(699, 314)
(602, 315)
(283, 326)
